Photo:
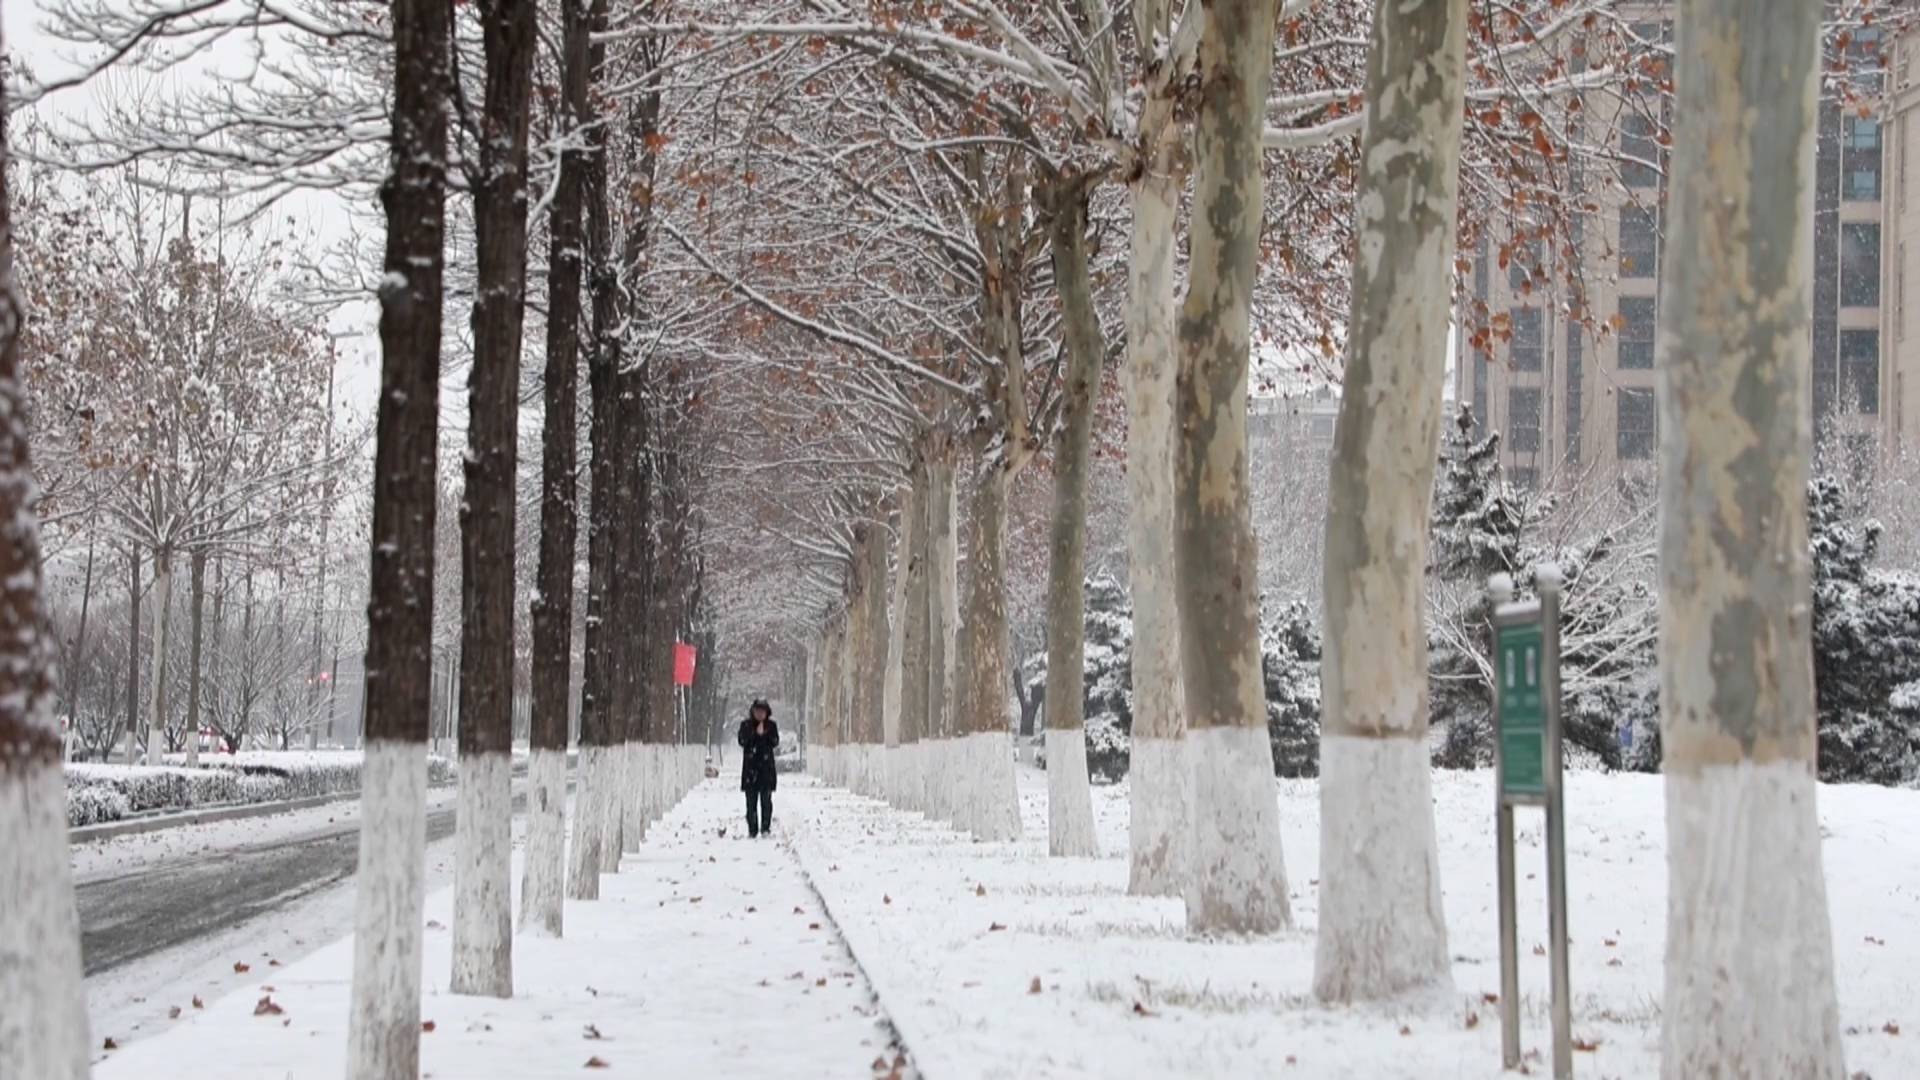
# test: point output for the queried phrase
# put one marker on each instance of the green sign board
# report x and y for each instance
(1520, 656)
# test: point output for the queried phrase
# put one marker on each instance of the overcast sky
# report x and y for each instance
(357, 380)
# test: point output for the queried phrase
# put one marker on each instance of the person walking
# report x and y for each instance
(759, 739)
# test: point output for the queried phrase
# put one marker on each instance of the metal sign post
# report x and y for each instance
(1527, 772)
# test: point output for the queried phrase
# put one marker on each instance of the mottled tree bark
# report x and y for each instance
(384, 1031)
(874, 658)
(43, 1026)
(483, 871)
(544, 882)
(1069, 798)
(1236, 880)
(943, 601)
(1158, 800)
(1749, 974)
(1382, 928)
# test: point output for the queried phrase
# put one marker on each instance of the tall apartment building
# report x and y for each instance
(1567, 400)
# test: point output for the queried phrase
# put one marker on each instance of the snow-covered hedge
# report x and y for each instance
(103, 793)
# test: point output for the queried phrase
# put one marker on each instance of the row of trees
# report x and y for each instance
(834, 268)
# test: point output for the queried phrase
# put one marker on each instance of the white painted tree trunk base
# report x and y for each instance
(633, 796)
(383, 1039)
(544, 873)
(1069, 796)
(1750, 977)
(583, 880)
(991, 793)
(43, 1026)
(1159, 811)
(1237, 879)
(613, 806)
(483, 878)
(1382, 930)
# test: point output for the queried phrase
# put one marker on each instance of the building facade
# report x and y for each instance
(1570, 398)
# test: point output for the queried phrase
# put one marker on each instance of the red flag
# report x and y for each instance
(683, 660)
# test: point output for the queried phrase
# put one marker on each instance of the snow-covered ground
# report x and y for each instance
(995, 961)
(135, 1001)
(715, 955)
(708, 955)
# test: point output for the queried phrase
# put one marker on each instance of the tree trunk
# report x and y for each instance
(596, 790)
(943, 603)
(639, 597)
(79, 643)
(1382, 927)
(1749, 976)
(384, 1033)
(1159, 808)
(483, 871)
(197, 586)
(44, 1033)
(910, 786)
(873, 737)
(544, 882)
(991, 807)
(1237, 879)
(1069, 799)
(157, 673)
(133, 652)
(890, 685)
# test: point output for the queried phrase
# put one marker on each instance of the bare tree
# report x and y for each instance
(1237, 878)
(1749, 975)
(384, 1032)
(1382, 928)
(43, 1029)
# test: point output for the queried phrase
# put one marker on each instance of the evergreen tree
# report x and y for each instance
(1290, 665)
(1866, 647)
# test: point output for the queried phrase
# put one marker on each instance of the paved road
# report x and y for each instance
(125, 918)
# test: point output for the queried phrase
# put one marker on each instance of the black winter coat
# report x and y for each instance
(757, 771)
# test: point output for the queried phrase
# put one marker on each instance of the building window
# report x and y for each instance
(1860, 160)
(1638, 425)
(1639, 152)
(1526, 479)
(1860, 264)
(1636, 332)
(1639, 241)
(1524, 352)
(1523, 420)
(1860, 370)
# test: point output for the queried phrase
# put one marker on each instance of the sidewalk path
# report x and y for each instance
(709, 955)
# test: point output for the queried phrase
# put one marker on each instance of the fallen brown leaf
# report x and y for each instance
(1892, 1028)
(1539, 950)
(1614, 962)
(266, 1007)
(436, 924)
(694, 899)
(241, 968)
(751, 909)
(813, 926)
(979, 890)
(1585, 1046)
(991, 927)
(592, 1034)
(797, 910)
(885, 899)
(1473, 1019)
(197, 1003)
(1142, 1010)
(596, 1063)
(1490, 999)
(880, 1064)
(821, 981)
(273, 963)
(173, 1013)
(1034, 987)
(1610, 943)
(1405, 1030)
(109, 1044)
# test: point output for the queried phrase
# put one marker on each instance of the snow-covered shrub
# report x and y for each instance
(93, 804)
(1290, 667)
(103, 793)
(1866, 647)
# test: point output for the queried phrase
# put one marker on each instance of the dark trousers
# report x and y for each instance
(759, 812)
